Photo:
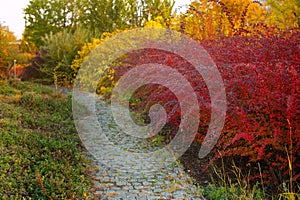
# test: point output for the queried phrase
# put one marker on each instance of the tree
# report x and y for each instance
(109, 15)
(58, 52)
(157, 8)
(9, 50)
(284, 14)
(212, 18)
(101, 16)
(45, 16)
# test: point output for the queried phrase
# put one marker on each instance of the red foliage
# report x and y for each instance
(262, 86)
(261, 76)
(19, 71)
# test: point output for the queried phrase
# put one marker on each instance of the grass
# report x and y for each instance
(236, 187)
(41, 156)
(233, 187)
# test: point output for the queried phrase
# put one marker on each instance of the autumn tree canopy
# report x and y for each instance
(8, 51)
(45, 16)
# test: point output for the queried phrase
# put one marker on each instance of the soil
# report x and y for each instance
(195, 166)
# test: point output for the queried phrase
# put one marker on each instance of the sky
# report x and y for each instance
(12, 15)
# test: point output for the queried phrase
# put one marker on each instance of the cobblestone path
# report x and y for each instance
(138, 181)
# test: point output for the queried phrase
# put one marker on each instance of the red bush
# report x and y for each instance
(261, 76)
(262, 86)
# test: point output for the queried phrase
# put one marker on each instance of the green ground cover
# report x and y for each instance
(41, 156)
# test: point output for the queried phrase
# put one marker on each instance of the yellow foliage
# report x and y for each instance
(96, 60)
(158, 22)
(212, 18)
(153, 24)
(85, 50)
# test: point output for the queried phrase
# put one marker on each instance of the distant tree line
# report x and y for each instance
(57, 29)
(47, 16)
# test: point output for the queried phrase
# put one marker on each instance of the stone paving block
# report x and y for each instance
(158, 190)
(140, 181)
(139, 187)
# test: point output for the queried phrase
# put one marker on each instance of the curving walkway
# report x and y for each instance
(139, 180)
